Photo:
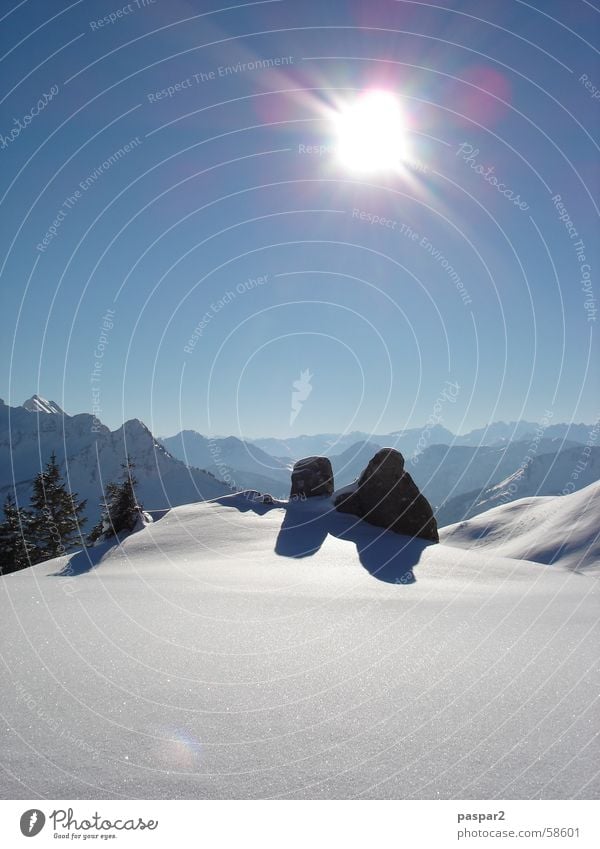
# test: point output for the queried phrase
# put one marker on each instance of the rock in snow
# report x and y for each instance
(312, 476)
(387, 496)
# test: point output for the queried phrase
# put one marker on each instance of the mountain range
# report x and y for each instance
(454, 478)
(548, 474)
(411, 440)
(461, 476)
(90, 455)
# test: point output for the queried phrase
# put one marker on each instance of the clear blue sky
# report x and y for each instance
(217, 188)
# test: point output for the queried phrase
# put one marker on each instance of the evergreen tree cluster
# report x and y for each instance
(52, 524)
(120, 509)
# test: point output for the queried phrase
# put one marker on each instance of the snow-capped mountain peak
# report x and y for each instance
(92, 455)
(37, 404)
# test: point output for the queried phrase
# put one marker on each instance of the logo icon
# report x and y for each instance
(32, 822)
(302, 389)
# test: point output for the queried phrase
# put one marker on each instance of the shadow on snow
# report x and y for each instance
(85, 560)
(387, 556)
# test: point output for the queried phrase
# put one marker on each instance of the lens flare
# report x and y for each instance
(371, 133)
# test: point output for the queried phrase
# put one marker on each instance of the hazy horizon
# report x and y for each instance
(264, 436)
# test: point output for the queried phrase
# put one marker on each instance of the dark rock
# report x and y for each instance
(312, 476)
(255, 495)
(385, 495)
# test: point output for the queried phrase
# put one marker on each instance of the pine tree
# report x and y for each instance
(17, 551)
(96, 532)
(120, 508)
(57, 518)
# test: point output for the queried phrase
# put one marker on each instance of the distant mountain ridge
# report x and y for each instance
(457, 478)
(246, 466)
(407, 441)
(451, 477)
(548, 474)
(237, 462)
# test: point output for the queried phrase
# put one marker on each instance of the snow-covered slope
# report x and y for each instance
(233, 649)
(570, 469)
(563, 530)
(90, 455)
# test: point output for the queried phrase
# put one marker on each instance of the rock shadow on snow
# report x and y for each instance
(385, 555)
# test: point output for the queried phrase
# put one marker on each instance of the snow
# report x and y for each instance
(547, 474)
(37, 404)
(343, 491)
(90, 455)
(562, 529)
(238, 649)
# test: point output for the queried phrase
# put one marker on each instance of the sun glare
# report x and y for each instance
(371, 133)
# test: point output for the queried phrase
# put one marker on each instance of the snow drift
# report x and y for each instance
(235, 649)
(563, 530)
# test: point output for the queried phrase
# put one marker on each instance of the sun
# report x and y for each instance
(371, 133)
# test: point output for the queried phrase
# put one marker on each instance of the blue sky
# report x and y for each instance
(236, 251)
